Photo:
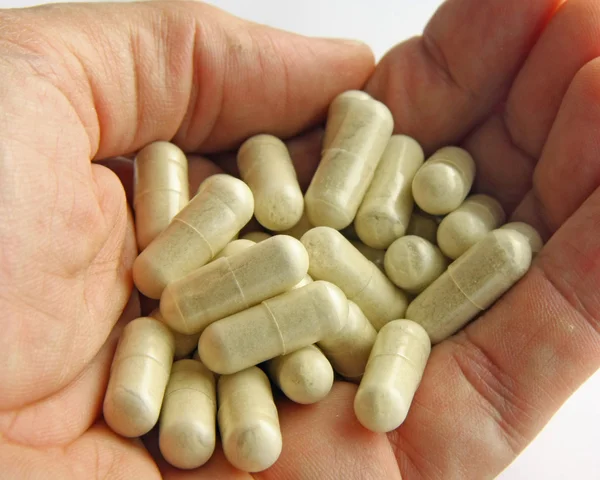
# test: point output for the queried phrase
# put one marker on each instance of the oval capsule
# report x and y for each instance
(231, 284)
(196, 234)
(532, 235)
(349, 349)
(277, 326)
(392, 376)
(233, 247)
(305, 376)
(160, 189)
(266, 166)
(471, 283)
(184, 344)
(423, 225)
(444, 181)
(385, 211)
(138, 377)
(469, 223)
(248, 420)
(334, 259)
(187, 426)
(413, 263)
(338, 109)
(349, 161)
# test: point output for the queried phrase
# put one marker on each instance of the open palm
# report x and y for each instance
(514, 82)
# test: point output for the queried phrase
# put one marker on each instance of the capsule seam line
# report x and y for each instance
(191, 390)
(146, 192)
(462, 291)
(212, 253)
(276, 326)
(142, 356)
(397, 355)
(366, 284)
(237, 284)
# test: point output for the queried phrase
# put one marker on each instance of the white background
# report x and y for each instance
(568, 449)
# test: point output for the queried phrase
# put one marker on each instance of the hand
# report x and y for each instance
(473, 79)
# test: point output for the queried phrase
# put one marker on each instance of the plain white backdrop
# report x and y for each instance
(568, 448)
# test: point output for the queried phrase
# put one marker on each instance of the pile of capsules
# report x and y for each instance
(383, 256)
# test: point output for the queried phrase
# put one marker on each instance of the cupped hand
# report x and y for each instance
(514, 82)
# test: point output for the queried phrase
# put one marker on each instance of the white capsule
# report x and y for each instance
(469, 223)
(535, 239)
(349, 160)
(187, 427)
(444, 181)
(233, 247)
(385, 211)
(248, 420)
(392, 376)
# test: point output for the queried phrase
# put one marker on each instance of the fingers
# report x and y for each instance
(441, 85)
(140, 72)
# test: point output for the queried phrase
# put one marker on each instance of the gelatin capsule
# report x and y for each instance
(233, 247)
(535, 239)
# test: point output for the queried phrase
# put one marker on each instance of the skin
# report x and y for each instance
(519, 88)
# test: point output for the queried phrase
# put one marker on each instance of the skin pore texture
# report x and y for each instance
(84, 83)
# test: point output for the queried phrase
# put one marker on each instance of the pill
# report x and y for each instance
(535, 239)
(195, 235)
(444, 181)
(338, 110)
(277, 326)
(385, 211)
(231, 284)
(305, 376)
(413, 263)
(300, 228)
(184, 344)
(256, 237)
(375, 255)
(160, 189)
(233, 247)
(334, 259)
(471, 283)
(348, 350)
(392, 376)
(248, 420)
(138, 377)
(187, 425)
(423, 225)
(349, 161)
(469, 223)
(266, 166)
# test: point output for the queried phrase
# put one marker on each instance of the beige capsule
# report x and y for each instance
(444, 181)
(248, 420)
(305, 376)
(423, 225)
(160, 189)
(233, 247)
(334, 259)
(187, 426)
(138, 377)
(375, 255)
(184, 344)
(413, 263)
(195, 235)
(232, 284)
(535, 239)
(392, 376)
(349, 160)
(471, 284)
(338, 110)
(349, 349)
(469, 223)
(266, 166)
(277, 326)
(386, 209)
(256, 237)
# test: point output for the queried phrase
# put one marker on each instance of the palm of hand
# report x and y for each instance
(68, 240)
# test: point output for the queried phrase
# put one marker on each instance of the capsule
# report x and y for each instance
(413, 263)
(373, 254)
(300, 228)
(471, 283)
(277, 326)
(444, 181)
(233, 247)
(385, 211)
(535, 239)
(334, 259)
(138, 377)
(231, 284)
(305, 376)
(187, 426)
(195, 235)
(338, 110)
(392, 376)
(256, 237)
(266, 166)
(423, 225)
(349, 349)
(160, 189)
(469, 223)
(349, 160)
(248, 420)
(184, 344)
